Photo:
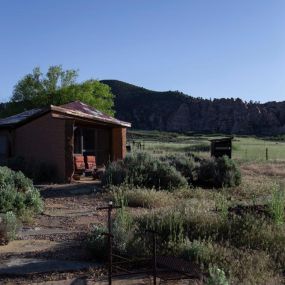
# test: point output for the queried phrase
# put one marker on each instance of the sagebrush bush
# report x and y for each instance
(277, 203)
(123, 236)
(97, 242)
(8, 227)
(142, 197)
(17, 193)
(219, 172)
(141, 169)
(168, 223)
(243, 266)
(184, 164)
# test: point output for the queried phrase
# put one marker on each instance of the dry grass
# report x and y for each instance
(264, 169)
(143, 197)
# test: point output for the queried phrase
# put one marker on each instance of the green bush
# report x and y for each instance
(97, 242)
(184, 164)
(141, 169)
(169, 225)
(123, 238)
(8, 227)
(217, 276)
(219, 172)
(17, 193)
(123, 230)
(143, 197)
(277, 203)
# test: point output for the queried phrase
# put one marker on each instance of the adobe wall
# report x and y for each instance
(119, 139)
(43, 140)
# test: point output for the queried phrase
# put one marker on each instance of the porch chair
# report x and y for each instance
(90, 164)
(79, 165)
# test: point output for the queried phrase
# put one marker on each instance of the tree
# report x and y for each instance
(59, 87)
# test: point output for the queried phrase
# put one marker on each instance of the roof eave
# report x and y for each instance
(90, 117)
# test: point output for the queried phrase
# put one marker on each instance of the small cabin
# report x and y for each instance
(221, 147)
(57, 135)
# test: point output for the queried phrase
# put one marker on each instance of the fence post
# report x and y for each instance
(154, 257)
(110, 207)
(266, 153)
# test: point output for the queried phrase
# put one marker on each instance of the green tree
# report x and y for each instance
(58, 87)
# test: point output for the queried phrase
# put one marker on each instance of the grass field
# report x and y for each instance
(244, 148)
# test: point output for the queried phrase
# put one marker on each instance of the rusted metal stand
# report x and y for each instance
(110, 236)
(154, 261)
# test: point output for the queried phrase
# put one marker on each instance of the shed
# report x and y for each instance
(55, 134)
(221, 147)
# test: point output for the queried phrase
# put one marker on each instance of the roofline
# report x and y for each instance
(78, 114)
(222, 139)
(66, 111)
(41, 112)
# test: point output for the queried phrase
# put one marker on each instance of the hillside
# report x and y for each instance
(175, 111)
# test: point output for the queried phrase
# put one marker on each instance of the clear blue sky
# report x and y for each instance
(206, 48)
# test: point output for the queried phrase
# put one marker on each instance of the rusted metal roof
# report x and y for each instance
(82, 110)
(75, 109)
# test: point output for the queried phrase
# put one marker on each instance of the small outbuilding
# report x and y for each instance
(221, 147)
(56, 134)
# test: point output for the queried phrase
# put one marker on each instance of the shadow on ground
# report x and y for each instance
(69, 190)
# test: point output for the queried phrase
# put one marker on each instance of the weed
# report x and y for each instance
(276, 204)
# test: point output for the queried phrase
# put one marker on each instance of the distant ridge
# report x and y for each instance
(175, 111)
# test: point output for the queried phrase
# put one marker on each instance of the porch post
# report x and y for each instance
(69, 150)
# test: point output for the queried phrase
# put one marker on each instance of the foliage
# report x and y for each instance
(185, 165)
(97, 242)
(222, 205)
(58, 87)
(11, 224)
(276, 204)
(220, 172)
(17, 193)
(168, 223)
(123, 230)
(141, 169)
(217, 276)
(142, 197)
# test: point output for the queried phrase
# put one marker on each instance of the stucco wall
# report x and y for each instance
(119, 143)
(43, 140)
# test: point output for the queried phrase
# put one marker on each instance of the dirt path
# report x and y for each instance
(56, 239)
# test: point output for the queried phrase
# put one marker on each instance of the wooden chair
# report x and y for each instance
(90, 162)
(79, 165)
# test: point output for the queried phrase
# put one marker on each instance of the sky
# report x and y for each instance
(204, 48)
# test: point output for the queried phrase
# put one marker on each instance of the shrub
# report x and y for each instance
(217, 276)
(276, 204)
(185, 165)
(8, 227)
(17, 193)
(97, 242)
(244, 266)
(142, 197)
(169, 225)
(122, 230)
(220, 172)
(141, 169)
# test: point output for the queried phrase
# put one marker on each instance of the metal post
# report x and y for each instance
(110, 207)
(154, 257)
(110, 242)
(266, 153)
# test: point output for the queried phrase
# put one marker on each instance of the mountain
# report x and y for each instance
(175, 111)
